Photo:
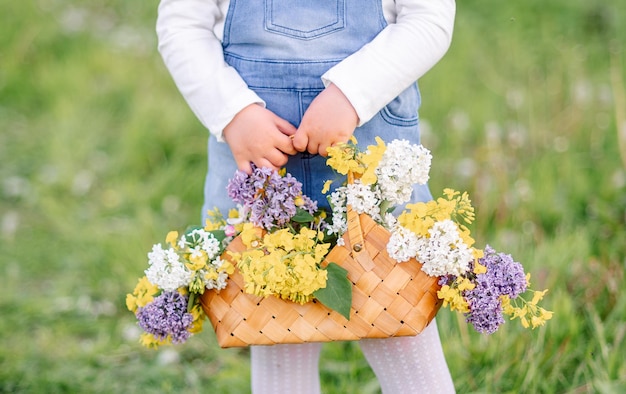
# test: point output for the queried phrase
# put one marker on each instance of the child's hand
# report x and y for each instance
(330, 119)
(257, 135)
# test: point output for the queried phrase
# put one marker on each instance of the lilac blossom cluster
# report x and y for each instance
(270, 199)
(504, 277)
(166, 316)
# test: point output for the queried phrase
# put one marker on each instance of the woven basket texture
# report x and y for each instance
(388, 298)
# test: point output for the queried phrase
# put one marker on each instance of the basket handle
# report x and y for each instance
(355, 235)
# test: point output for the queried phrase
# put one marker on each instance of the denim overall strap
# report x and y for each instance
(281, 48)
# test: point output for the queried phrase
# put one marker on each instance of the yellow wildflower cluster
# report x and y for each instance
(421, 217)
(215, 220)
(529, 312)
(198, 318)
(142, 295)
(150, 341)
(452, 295)
(282, 263)
(199, 262)
(347, 158)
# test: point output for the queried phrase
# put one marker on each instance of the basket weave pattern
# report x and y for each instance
(388, 298)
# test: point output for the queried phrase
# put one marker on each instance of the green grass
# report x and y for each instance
(100, 157)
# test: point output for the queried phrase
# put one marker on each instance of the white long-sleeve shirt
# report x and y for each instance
(190, 32)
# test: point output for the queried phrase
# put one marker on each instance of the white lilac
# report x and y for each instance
(200, 240)
(402, 166)
(215, 283)
(402, 245)
(337, 201)
(364, 200)
(166, 270)
(444, 252)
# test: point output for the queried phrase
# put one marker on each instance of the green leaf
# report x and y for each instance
(302, 216)
(337, 295)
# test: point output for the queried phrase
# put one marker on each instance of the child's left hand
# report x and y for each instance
(329, 120)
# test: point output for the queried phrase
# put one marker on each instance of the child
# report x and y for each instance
(277, 82)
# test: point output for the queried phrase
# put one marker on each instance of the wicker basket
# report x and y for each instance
(388, 298)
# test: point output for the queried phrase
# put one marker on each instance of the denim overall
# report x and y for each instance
(281, 48)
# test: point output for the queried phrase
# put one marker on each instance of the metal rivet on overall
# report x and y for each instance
(357, 247)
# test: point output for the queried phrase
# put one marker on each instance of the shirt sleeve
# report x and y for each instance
(399, 55)
(193, 54)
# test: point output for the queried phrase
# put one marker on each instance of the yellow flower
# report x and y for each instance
(227, 267)
(538, 296)
(524, 321)
(233, 213)
(416, 220)
(211, 275)
(171, 238)
(284, 264)
(197, 285)
(465, 236)
(148, 340)
(197, 260)
(479, 268)
(544, 314)
(215, 220)
(478, 254)
(452, 297)
(198, 319)
(342, 158)
(371, 159)
(507, 308)
(250, 234)
(537, 321)
(450, 193)
(466, 284)
(142, 295)
(326, 187)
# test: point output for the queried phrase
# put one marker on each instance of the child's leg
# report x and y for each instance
(409, 364)
(288, 369)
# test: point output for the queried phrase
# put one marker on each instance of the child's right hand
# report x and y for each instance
(257, 135)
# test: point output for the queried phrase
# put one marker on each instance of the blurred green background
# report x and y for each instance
(100, 157)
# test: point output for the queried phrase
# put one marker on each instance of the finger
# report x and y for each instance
(313, 148)
(300, 141)
(323, 150)
(244, 166)
(277, 158)
(286, 145)
(266, 163)
(285, 127)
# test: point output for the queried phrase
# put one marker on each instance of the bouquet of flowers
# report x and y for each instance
(165, 300)
(281, 244)
(285, 244)
(483, 285)
(285, 240)
(380, 178)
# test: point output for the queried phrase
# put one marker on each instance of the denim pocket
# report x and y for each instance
(402, 111)
(304, 20)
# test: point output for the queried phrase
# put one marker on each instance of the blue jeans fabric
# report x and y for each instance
(281, 48)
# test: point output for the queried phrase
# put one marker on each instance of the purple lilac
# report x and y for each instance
(269, 197)
(485, 306)
(503, 277)
(486, 312)
(505, 274)
(166, 316)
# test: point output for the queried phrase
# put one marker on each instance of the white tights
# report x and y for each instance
(402, 365)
